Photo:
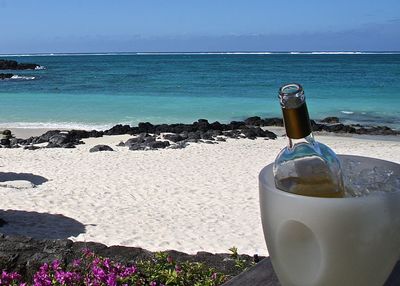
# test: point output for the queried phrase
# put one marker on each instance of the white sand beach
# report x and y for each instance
(201, 198)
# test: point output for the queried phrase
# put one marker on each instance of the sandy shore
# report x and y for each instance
(203, 197)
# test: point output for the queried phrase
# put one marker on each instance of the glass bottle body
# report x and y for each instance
(307, 167)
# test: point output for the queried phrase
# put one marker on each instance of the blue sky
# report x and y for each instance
(30, 26)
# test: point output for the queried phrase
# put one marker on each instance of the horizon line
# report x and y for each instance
(228, 52)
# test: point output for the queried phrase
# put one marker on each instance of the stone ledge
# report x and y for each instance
(26, 255)
(262, 274)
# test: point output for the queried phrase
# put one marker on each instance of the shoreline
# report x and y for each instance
(329, 126)
(25, 133)
(329, 123)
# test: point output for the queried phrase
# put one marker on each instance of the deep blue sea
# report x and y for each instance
(98, 91)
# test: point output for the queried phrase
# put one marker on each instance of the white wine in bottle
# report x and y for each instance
(305, 167)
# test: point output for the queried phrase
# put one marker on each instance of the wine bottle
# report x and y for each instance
(305, 166)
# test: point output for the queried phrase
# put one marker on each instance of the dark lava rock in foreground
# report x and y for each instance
(26, 255)
(2, 222)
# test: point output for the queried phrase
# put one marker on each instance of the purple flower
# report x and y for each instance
(107, 263)
(128, 271)
(111, 280)
(9, 278)
(169, 259)
(98, 272)
(87, 253)
(56, 264)
(76, 262)
(178, 269)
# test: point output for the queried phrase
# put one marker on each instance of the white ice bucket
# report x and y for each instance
(331, 241)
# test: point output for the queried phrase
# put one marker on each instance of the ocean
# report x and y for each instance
(97, 91)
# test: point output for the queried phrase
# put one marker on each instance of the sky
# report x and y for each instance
(49, 26)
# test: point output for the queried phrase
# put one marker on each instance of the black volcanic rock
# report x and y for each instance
(6, 75)
(235, 134)
(140, 139)
(31, 147)
(146, 127)
(194, 135)
(330, 119)
(59, 139)
(201, 125)
(199, 131)
(5, 142)
(254, 132)
(118, 129)
(77, 135)
(340, 128)
(2, 222)
(99, 148)
(173, 137)
(208, 135)
(272, 122)
(236, 125)
(158, 144)
(217, 126)
(46, 136)
(316, 126)
(377, 130)
(253, 121)
(13, 65)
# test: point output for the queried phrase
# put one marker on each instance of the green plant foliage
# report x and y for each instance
(93, 270)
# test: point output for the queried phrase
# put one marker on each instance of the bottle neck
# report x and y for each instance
(297, 122)
(309, 139)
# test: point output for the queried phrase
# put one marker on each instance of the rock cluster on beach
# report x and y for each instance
(25, 255)
(329, 124)
(146, 136)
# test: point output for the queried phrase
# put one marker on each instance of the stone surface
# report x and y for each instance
(330, 119)
(31, 147)
(262, 274)
(2, 222)
(173, 137)
(98, 148)
(6, 75)
(13, 65)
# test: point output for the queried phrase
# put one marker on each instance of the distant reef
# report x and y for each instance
(6, 75)
(14, 65)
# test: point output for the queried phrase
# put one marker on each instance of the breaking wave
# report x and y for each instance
(55, 125)
(20, 77)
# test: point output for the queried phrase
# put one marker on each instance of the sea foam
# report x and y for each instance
(55, 125)
(20, 77)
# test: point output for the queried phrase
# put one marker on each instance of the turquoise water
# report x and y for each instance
(98, 91)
